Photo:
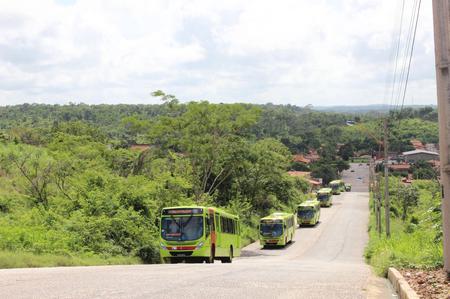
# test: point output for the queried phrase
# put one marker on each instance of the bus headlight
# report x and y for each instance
(163, 246)
(199, 245)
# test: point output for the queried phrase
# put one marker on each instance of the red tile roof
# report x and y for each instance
(300, 158)
(313, 182)
(312, 155)
(417, 144)
(305, 174)
(399, 167)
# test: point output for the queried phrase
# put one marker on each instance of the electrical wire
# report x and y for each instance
(397, 50)
(406, 54)
(410, 56)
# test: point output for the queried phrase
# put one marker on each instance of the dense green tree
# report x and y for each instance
(346, 151)
(408, 197)
(34, 169)
(211, 136)
(424, 170)
(324, 170)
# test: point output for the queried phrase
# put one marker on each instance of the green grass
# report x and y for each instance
(410, 246)
(359, 160)
(9, 259)
(403, 250)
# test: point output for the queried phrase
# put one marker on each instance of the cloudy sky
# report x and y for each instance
(319, 52)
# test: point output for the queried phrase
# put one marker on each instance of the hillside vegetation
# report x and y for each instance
(72, 192)
(416, 229)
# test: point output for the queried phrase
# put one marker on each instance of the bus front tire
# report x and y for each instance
(171, 260)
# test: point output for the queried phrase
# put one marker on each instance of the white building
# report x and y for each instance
(419, 155)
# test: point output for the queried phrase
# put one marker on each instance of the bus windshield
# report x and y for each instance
(322, 197)
(182, 228)
(306, 213)
(271, 229)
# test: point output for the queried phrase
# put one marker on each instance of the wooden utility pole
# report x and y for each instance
(442, 53)
(378, 204)
(374, 190)
(387, 204)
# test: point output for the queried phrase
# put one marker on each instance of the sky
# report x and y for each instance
(300, 52)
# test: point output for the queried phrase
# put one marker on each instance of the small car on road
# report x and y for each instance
(348, 187)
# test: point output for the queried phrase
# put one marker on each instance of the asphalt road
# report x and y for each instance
(358, 176)
(325, 261)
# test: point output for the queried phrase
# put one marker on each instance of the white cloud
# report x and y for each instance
(298, 51)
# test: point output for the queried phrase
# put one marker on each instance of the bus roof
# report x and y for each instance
(218, 210)
(278, 215)
(324, 190)
(336, 182)
(309, 203)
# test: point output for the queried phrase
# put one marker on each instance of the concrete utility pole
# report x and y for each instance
(442, 53)
(378, 205)
(387, 203)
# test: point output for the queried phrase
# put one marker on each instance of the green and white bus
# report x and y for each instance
(277, 229)
(198, 234)
(308, 212)
(325, 197)
(337, 186)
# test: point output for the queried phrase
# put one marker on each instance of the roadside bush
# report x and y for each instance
(149, 254)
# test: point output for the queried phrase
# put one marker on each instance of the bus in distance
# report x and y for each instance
(337, 186)
(198, 234)
(277, 229)
(325, 197)
(308, 212)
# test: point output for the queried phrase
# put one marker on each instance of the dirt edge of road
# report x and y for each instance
(379, 288)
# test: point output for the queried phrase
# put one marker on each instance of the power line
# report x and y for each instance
(397, 53)
(405, 55)
(410, 57)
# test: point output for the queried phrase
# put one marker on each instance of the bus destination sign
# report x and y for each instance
(182, 211)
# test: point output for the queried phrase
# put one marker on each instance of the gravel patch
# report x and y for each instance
(429, 284)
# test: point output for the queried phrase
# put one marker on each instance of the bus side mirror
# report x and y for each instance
(285, 226)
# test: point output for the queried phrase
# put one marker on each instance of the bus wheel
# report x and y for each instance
(228, 259)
